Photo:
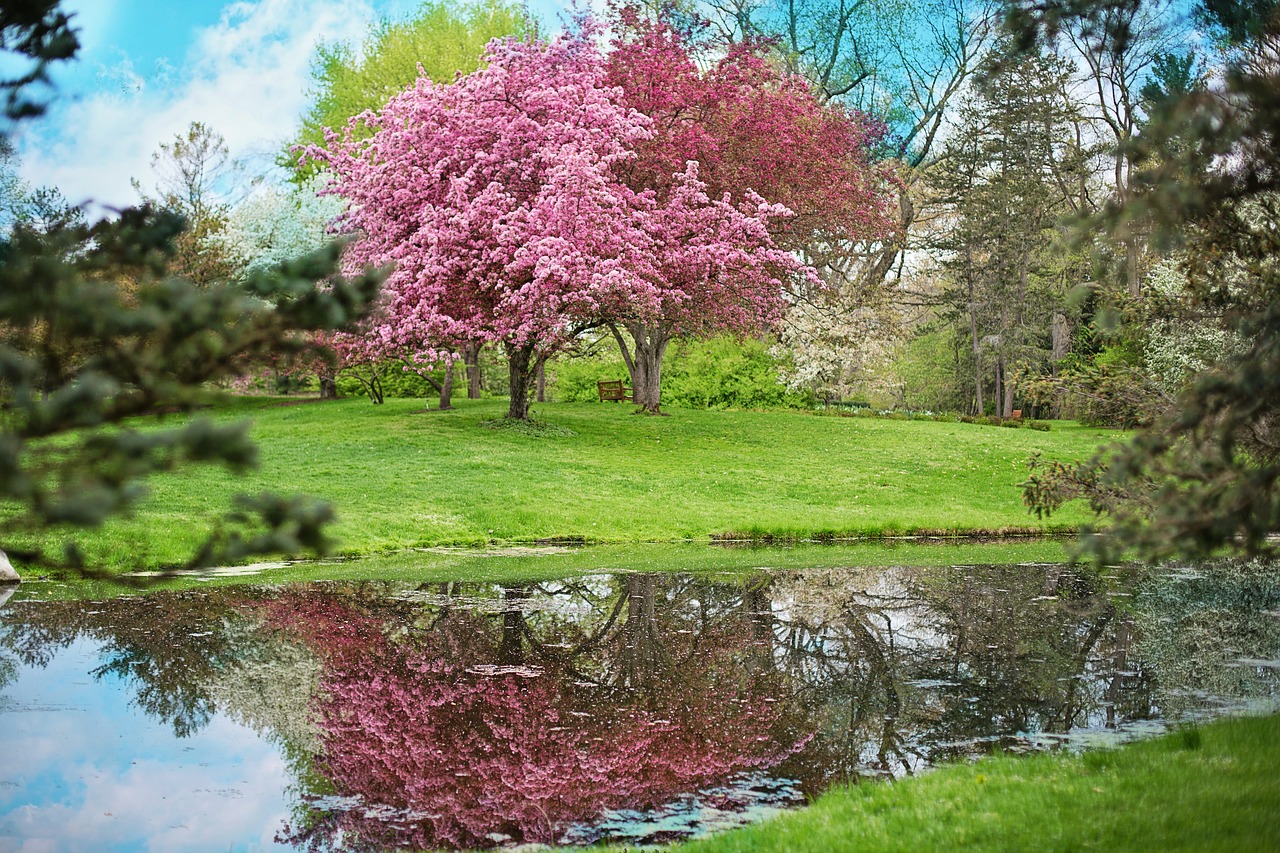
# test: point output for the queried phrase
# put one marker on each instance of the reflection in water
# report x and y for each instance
(645, 708)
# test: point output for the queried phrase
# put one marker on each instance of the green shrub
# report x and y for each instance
(718, 373)
(994, 420)
(726, 372)
(930, 371)
(1012, 423)
(573, 380)
(1041, 426)
(397, 382)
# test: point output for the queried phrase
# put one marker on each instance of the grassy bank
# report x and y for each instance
(522, 564)
(401, 477)
(1206, 789)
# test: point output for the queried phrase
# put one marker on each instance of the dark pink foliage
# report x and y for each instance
(751, 128)
(756, 133)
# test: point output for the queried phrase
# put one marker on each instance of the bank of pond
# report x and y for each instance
(714, 707)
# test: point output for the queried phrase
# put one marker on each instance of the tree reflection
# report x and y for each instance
(464, 736)
(168, 647)
(471, 715)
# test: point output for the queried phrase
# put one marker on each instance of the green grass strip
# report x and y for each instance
(1212, 788)
(402, 478)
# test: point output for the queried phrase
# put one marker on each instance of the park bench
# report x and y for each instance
(613, 390)
(1017, 414)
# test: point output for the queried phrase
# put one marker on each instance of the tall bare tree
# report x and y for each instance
(194, 176)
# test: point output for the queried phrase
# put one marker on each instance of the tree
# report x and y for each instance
(751, 130)
(83, 358)
(33, 34)
(438, 40)
(1118, 70)
(1011, 174)
(193, 173)
(42, 209)
(499, 201)
(275, 224)
(271, 226)
(906, 65)
(1202, 477)
(13, 190)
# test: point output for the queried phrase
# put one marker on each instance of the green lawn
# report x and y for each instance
(403, 478)
(1208, 789)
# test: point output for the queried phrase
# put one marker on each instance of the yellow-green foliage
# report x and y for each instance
(444, 39)
(716, 373)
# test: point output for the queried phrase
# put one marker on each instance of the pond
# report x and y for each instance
(634, 708)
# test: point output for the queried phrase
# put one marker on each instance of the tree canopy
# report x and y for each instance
(500, 199)
(752, 129)
(1202, 477)
(440, 40)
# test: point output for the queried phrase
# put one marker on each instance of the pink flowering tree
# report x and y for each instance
(506, 202)
(759, 137)
(494, 198)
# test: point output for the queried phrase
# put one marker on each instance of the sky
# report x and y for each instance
(148, 68)
(96, 773)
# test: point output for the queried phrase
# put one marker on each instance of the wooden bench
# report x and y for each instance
(613, 390)
(1017, 414)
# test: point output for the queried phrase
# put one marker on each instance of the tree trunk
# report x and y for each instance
(1060, 337)
(471, 357)
(998, 402)
(1008, 397)
(977, 354)
(328, 386)
(446, 388)
(645, 363)
(511, 646)
(1131, 257)
(541, 395)
(520, 368)
(641, 660)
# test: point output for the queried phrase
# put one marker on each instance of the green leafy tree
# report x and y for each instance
(440, 39)
(1202, 477)
(1010, 175)
(906, 64)
(97, 336)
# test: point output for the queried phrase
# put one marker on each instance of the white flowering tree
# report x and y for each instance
(275, 224)
(1181, 345)
(839, 344)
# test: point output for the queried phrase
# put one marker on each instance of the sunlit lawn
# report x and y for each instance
(402, 478)
(1208, 789)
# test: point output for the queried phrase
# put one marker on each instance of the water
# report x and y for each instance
(630, 708)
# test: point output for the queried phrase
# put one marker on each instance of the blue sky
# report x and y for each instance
(148, 68)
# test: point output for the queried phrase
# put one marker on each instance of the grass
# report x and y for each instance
(1206, 789)
(403, 478)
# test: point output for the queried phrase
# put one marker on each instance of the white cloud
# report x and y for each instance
(246, 77)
